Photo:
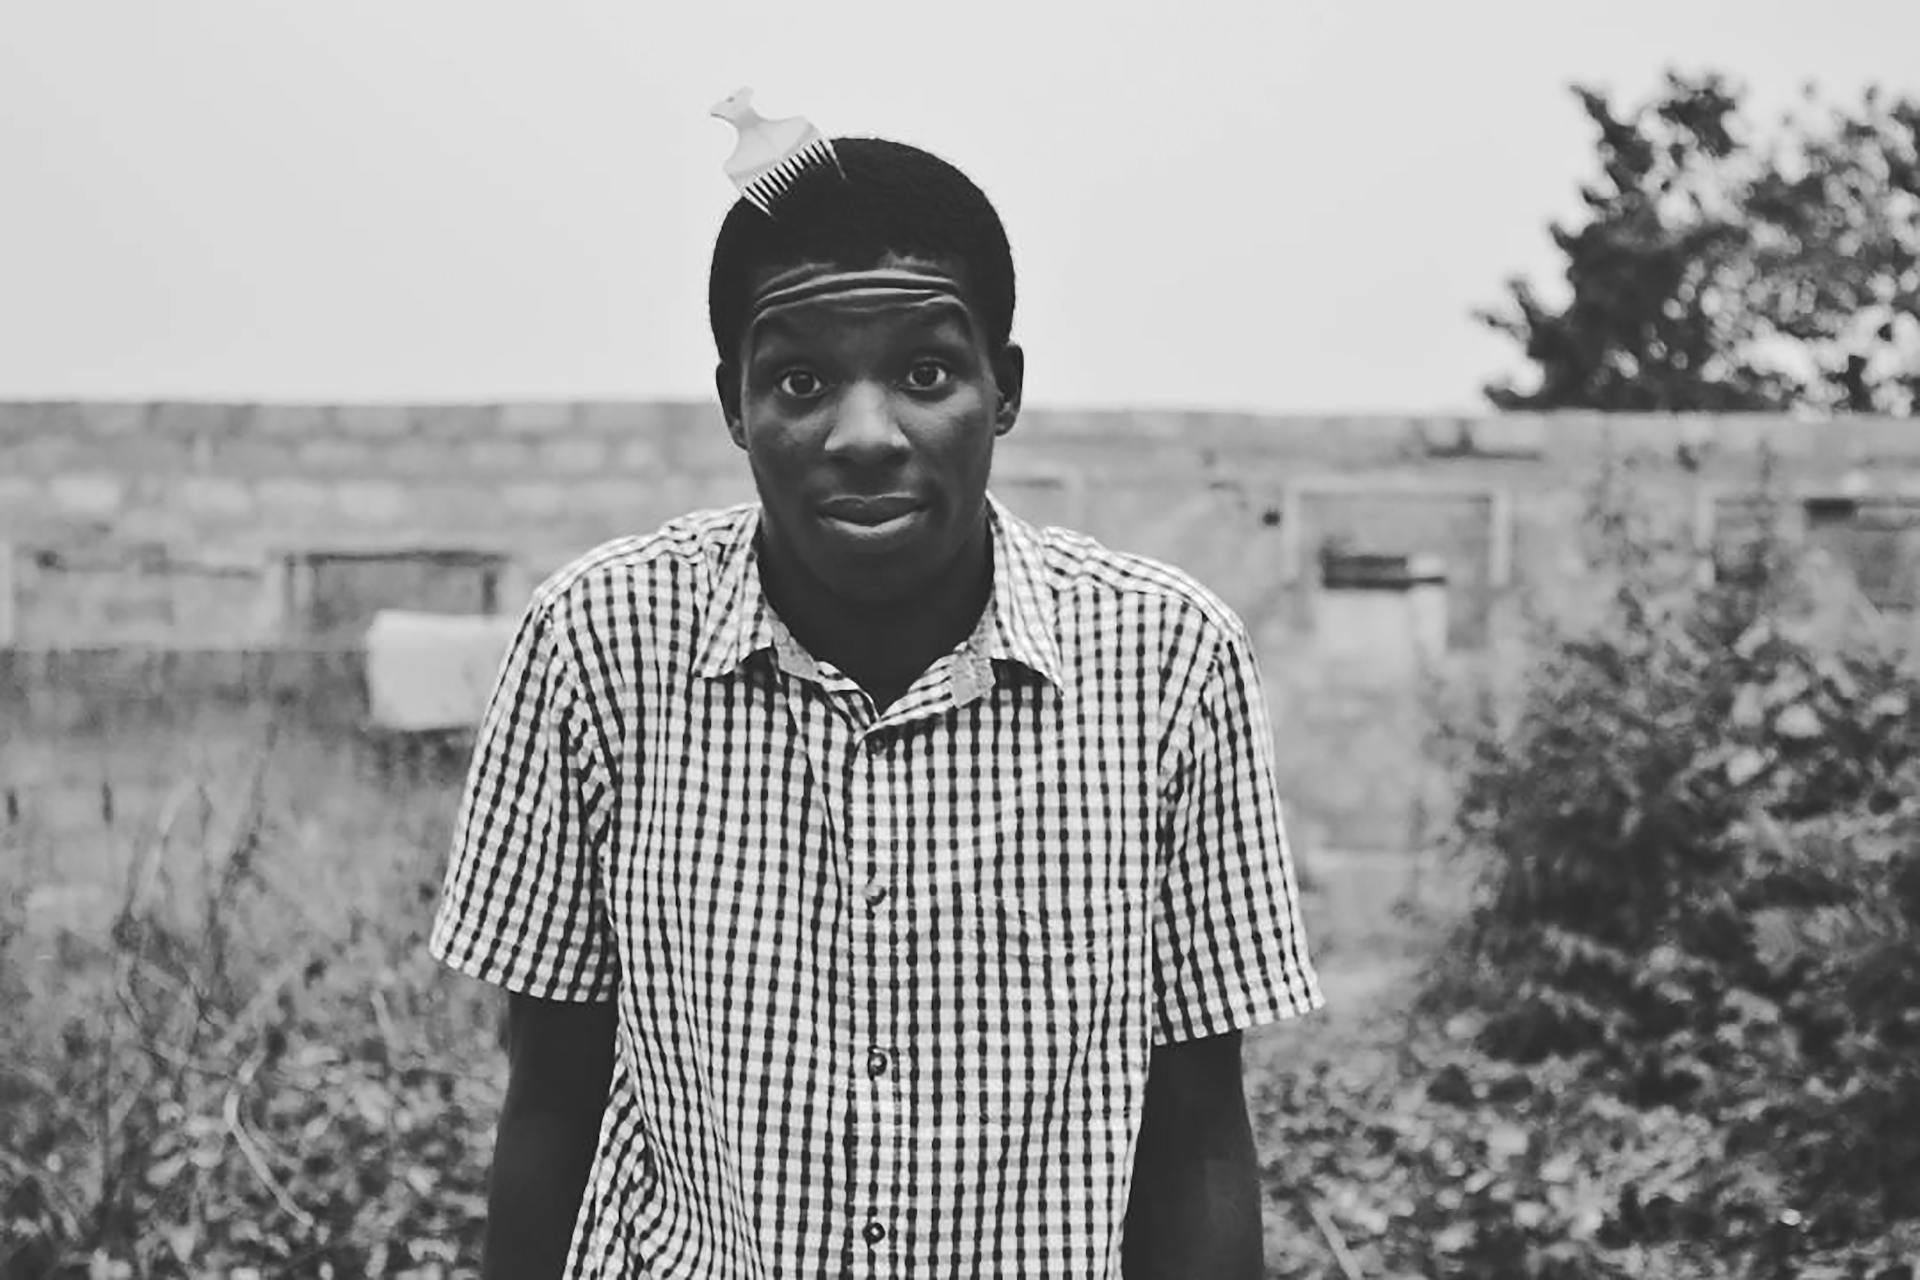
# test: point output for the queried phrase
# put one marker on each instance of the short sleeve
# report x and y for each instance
(521, 906)
(1230, 952)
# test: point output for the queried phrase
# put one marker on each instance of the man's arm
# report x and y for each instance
(1195, 1208)
(561, 1065)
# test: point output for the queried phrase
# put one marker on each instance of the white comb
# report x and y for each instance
(770, 154)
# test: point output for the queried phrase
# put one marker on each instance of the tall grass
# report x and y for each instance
(228, 1052)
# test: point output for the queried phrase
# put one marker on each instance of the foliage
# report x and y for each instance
(1397, 1147)
(1702, 832)
(1429, 1159)
(1721, 268)
(249, 1069)
(252, 1069)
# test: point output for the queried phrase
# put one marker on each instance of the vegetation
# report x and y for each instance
(1723, 267)
(1700, 833)
(239, 1062)
(1669, 1033)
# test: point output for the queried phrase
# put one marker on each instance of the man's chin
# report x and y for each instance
(877, 586)
(880, 562)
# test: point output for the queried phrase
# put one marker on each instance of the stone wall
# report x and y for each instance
(221, 528)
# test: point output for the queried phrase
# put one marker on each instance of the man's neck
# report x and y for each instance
(882, 648)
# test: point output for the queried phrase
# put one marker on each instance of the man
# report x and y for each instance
(882, 884)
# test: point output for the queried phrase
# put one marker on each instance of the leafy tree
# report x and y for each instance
(1721, 268)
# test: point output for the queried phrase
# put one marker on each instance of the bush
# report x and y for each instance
(242, 1063)
(1702, 849)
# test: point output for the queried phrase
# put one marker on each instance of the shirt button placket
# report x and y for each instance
(877, 1067)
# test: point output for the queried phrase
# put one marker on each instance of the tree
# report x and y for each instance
(1720, 270)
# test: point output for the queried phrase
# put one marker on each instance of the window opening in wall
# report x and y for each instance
(1873, 539)
(6, 593)
(1877, 541)
(332, 594)
(1466, 530)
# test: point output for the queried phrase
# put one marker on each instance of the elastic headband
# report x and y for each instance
(887, 286)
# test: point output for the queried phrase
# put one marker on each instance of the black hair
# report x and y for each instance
(895, 199)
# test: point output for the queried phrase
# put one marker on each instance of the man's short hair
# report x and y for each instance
(894, 199)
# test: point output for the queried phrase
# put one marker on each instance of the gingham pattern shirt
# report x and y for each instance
(887, 984)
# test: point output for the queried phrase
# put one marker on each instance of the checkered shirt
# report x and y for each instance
(887, 984)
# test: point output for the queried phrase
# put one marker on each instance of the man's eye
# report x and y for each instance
(928, 375)
(801, 384)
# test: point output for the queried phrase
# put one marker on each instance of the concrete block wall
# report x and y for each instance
(259, 477)
(163, 525)
(544, 479)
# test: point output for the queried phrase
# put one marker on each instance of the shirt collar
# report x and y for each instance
(1019, 623)
(1021, 615)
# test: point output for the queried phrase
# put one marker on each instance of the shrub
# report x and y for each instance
(1701, 843)
(250, 1066)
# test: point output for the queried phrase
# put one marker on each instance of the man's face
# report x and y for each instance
(868, 404)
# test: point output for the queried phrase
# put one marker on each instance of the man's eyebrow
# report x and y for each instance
(777, 326)
(945, 311)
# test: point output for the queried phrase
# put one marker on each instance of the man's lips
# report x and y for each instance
(877, 509)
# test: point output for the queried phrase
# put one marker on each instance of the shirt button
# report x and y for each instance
(873, 1233)
(878, 1060)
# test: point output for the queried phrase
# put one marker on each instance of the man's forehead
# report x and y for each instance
(798, 300)
(779, 278)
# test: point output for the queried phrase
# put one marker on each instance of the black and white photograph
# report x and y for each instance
(850, 641)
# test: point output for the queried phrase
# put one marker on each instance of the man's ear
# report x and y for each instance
(1010, 372)
(726, 383)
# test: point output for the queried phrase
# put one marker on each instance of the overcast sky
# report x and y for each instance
(1267, 204)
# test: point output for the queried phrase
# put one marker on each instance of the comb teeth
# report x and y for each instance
(768, 187)
(769, 156)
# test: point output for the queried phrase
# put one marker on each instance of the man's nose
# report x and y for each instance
(865, 426)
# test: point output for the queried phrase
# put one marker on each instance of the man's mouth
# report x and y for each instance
(870, 511)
